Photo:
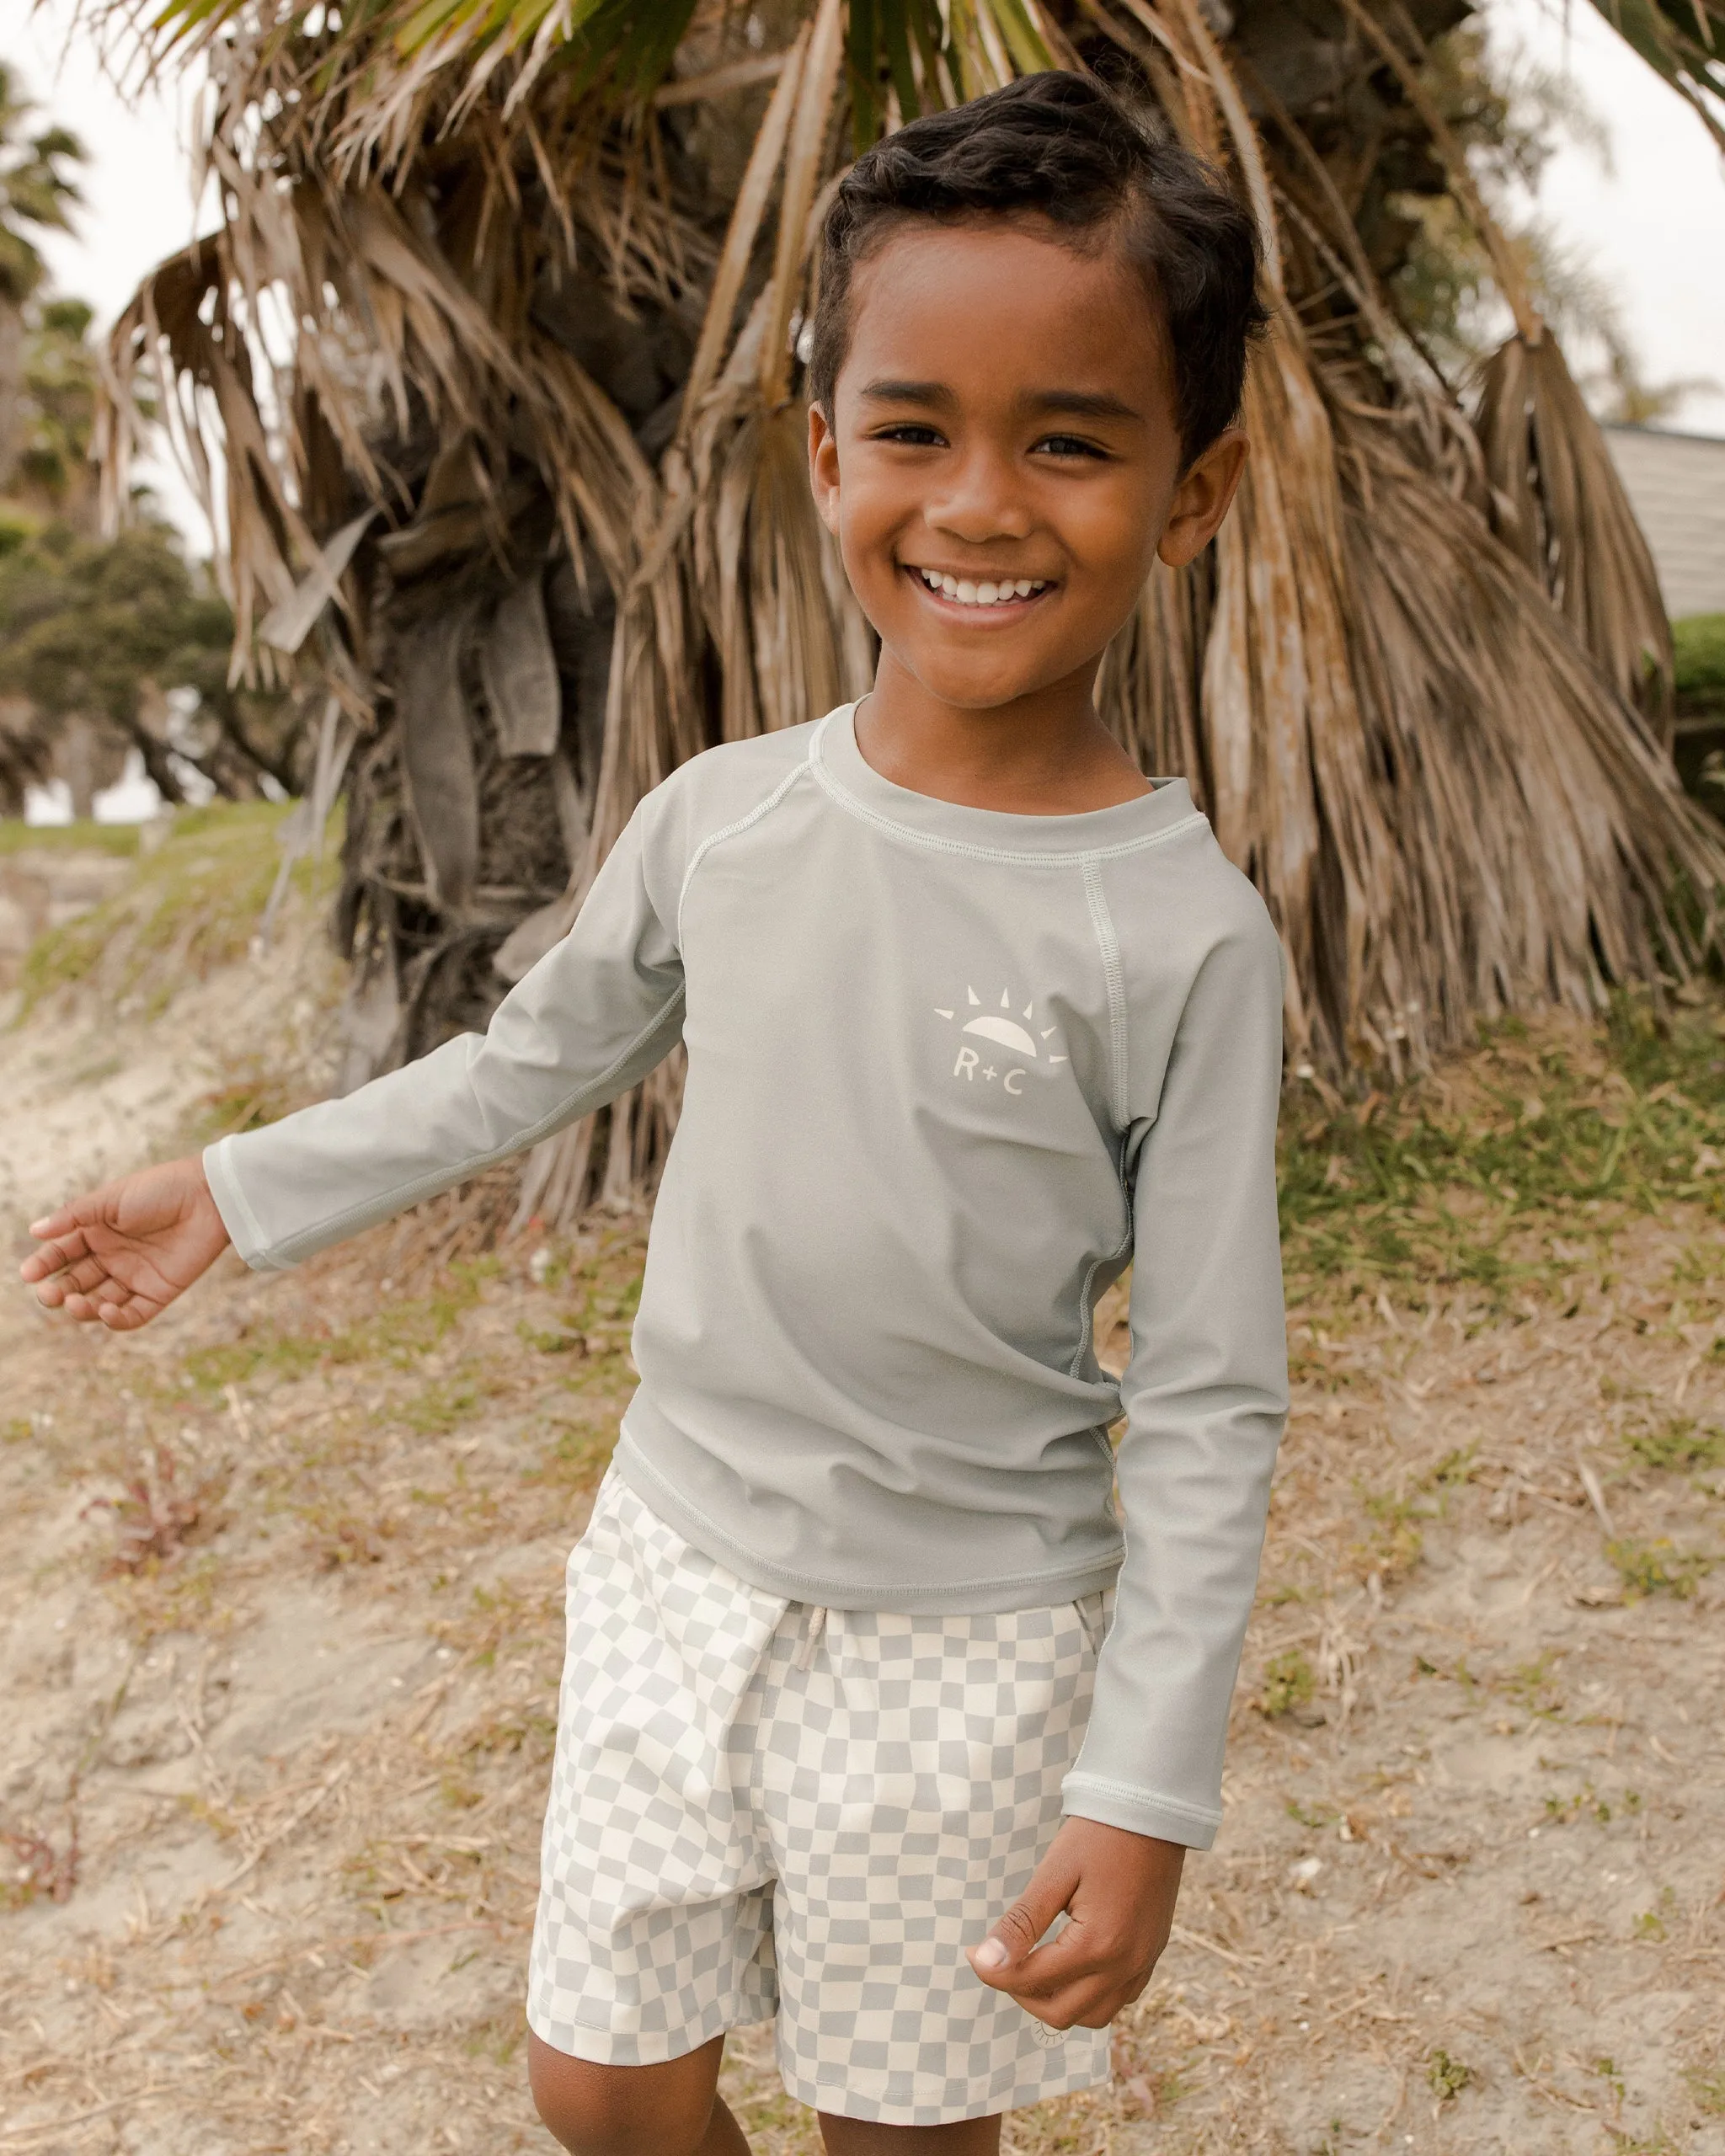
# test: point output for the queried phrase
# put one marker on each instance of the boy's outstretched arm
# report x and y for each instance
(121, 1254)
(595, 1016)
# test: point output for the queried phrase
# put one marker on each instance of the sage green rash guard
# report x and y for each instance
(949, 1072)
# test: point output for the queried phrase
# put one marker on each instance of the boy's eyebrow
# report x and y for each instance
(1083, 404)
(888, 392)
(1074, 404)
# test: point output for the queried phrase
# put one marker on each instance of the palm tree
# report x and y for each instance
(37, 193)
(498, 337)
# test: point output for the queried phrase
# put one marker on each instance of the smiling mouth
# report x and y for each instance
(979, 592)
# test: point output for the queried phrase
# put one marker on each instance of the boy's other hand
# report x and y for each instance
(1119, 1892)
(120, 1254)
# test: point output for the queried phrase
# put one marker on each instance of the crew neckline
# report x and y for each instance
(844, 769)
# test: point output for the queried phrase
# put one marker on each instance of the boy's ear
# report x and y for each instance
(1202, 498)
(823, 468)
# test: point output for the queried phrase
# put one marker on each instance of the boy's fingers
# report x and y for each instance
(83, 1279)
(54, 1257)
(85, 1276)
(127, 1316)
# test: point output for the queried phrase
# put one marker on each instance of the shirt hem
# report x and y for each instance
(996, 1595)
(244, 1229)
(1138, 1811)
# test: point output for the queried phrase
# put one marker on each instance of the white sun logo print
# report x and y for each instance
(1001, 1030)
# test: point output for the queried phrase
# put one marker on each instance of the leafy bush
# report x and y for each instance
(1699, 639)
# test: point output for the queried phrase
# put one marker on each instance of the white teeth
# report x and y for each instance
(984, 592)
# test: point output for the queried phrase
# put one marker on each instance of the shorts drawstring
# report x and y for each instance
(811, 1638)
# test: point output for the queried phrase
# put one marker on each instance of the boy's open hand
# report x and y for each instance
(123, 1253)
(1119, 1890)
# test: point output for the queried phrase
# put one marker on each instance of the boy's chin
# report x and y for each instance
(966, 681)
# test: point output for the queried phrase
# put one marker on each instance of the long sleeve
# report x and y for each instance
(596, 1013)
(1205, 1396)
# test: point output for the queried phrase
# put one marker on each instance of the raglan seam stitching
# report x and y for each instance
(734, 829)
(1108, 945)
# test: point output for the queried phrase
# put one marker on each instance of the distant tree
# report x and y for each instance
(37, 195)
(60, 374)
(1510, 114)
(126, 636)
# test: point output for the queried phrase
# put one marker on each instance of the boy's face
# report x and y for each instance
(1003, 461)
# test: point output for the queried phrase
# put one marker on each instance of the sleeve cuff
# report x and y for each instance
(1139, 1811)
(244, 1230)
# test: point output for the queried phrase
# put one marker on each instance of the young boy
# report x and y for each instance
(975, 1017)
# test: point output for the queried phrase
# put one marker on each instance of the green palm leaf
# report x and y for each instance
(1683, 40)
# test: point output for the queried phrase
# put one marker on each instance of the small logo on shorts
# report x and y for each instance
(1009, 1046)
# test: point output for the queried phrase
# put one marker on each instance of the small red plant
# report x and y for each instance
(153, 1516)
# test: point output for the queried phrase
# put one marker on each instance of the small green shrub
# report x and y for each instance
(1448, 2076)
(1289, 1683)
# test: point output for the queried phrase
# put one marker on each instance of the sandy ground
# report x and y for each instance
(280, 1586)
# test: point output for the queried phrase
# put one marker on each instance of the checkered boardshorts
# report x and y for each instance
(760, 1810)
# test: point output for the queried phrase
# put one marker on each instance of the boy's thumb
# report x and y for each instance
(1017, 1931)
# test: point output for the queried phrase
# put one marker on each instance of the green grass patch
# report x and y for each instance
(195, 904)
(16, 836)
(1658, 1567)
(1679, 1445)
(398, 1333)
(1708, 2090)
(443, 1408)
(1518, 1184)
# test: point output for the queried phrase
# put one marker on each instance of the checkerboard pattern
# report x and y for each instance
(754, 1817)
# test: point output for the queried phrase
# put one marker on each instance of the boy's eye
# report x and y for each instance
(1069, 446)
(912, 433)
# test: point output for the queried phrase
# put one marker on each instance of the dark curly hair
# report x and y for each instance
(1065, 148)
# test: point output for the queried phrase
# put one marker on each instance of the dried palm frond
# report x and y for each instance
(1556, 495)
(1562, 507)
(1542, 830)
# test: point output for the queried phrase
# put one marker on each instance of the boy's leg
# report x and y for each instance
(675, 2109)
(863, 2138)
(672, 2109)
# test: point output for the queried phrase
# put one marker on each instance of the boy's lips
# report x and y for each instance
(978, 598)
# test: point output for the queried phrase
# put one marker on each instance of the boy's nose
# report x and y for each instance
(981, 502)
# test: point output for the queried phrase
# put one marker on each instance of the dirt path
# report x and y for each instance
(280, 1588)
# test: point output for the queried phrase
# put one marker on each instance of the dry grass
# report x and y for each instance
(272, 1774)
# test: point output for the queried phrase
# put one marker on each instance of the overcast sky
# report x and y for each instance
(1654, 226)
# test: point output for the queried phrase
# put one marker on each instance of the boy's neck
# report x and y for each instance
(1042, 755)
